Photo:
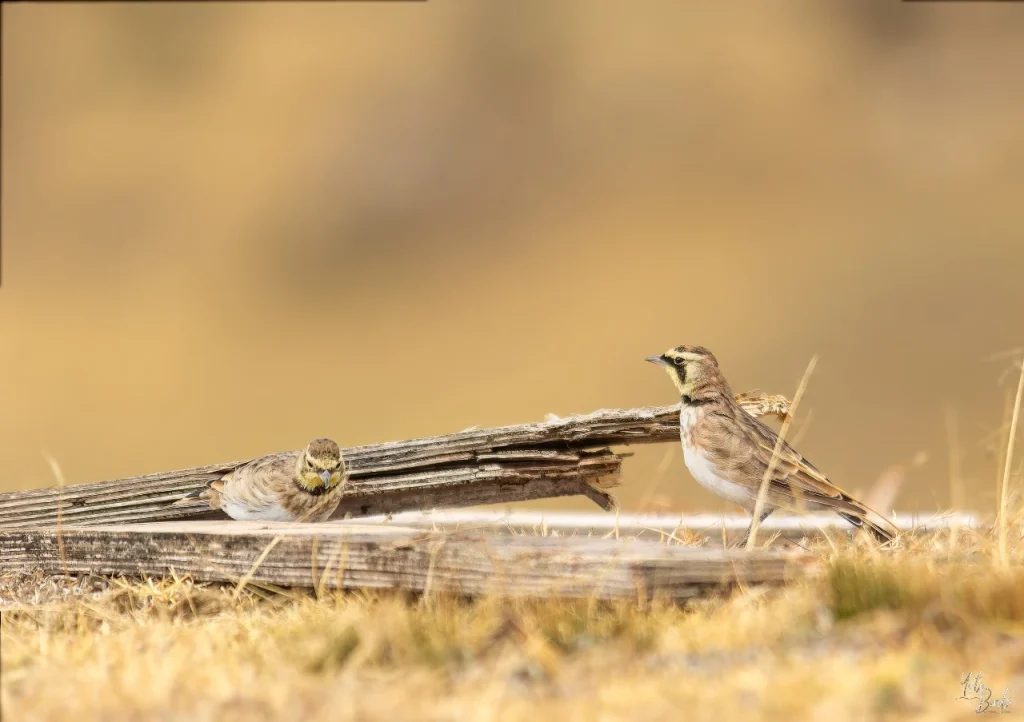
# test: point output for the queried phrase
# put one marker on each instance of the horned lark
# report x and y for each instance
(292, 486)
(728, 451)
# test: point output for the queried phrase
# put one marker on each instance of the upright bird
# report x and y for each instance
(301, 485)
(728, 451)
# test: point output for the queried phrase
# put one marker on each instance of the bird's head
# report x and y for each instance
(690, 368)
(321, 465)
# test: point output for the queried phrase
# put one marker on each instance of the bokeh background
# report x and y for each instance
(228, 228)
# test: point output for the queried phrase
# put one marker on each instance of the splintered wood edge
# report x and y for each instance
(588, 473)
(479, 466)
(344, 555)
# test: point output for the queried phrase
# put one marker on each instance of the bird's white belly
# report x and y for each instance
(707, 476)
(245, 512)
(704, 471)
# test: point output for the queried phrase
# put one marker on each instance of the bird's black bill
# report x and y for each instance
(660, 360)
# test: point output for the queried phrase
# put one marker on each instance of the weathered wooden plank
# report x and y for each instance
(587, 473)
(344, 554)
(478, 466)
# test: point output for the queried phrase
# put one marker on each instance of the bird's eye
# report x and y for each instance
(677, 361)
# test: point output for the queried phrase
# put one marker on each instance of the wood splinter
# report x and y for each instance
(559, 457)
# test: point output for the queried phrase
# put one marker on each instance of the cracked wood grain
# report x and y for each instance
(348, 554)
(558, 457)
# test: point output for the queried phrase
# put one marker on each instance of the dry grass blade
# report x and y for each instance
(1007, 466)
(763, 490)
(58, 474)
(247, 577)
(956, 484)
(882, 494)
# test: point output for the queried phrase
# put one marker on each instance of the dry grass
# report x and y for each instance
(879, 635)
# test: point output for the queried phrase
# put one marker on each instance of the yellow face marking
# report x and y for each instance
(673, 371)
(311, 468)
(672, 374)
(319, 464)
(311, 479)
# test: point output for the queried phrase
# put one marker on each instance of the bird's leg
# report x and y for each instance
(764, 515)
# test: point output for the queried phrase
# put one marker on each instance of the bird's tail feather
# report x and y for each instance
(193, 498)
(865, 518)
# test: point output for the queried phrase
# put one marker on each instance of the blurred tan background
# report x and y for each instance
(230, 228)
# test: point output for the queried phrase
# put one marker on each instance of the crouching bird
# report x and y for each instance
(728, 451)
(301, 485)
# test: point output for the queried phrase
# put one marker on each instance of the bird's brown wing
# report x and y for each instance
(795, 477)
(792, 471)
(258, 483)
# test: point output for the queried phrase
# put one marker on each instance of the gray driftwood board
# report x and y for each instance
(346, 554)
(508, 464)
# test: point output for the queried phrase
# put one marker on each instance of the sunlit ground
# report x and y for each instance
(875, 635)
